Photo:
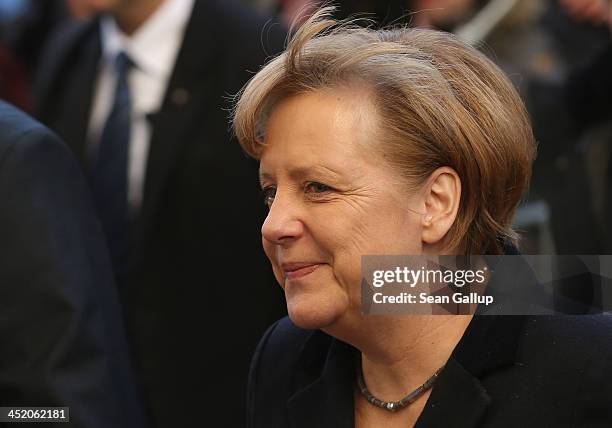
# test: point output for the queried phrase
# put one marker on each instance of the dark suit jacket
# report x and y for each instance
(200, 292)
(510, 371)
(62, 341)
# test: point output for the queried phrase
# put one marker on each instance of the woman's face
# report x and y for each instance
(331, 199)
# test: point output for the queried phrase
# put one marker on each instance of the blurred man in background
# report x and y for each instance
(140, 94)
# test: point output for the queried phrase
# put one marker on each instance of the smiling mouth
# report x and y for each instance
(300, 271)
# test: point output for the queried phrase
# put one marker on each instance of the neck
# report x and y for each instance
(401, 353)
(132, 14)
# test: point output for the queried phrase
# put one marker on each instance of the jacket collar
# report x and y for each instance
(490, 343)
(326, 400)
(324, 386)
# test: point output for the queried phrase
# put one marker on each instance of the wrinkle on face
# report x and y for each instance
(326, 137)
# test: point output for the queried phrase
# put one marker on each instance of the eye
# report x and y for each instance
(316, 188)
(268, 193)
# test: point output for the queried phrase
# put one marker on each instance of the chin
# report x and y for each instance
(311, 314)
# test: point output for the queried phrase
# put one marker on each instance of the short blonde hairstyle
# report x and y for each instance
(439, 101)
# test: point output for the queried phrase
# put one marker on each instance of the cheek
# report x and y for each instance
(342, 240)
(381, 232)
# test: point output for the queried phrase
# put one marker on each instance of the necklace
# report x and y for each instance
(394, 406)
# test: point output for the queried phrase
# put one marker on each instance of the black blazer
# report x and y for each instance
(507, 371)
(200, 292)
(62, 341)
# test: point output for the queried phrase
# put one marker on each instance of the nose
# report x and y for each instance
(282, 225)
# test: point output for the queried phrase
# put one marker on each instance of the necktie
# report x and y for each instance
(109, 173)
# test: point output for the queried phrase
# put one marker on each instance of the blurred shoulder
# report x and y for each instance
(68, 40)
(20, 130)
(14, 121)
(241, 29)
(34, 160)
(71, 43)
(242, 17)
(71, 31)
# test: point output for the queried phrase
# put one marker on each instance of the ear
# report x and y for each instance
(442, 196)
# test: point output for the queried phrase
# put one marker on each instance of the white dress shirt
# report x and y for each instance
(153, 48)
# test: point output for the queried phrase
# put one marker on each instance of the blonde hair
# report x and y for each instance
(439, 103)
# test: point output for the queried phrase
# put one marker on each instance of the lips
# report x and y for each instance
(298, 270)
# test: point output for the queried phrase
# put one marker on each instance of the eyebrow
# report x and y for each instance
(301, 172)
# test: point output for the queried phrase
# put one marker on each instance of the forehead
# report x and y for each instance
(322, 127)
